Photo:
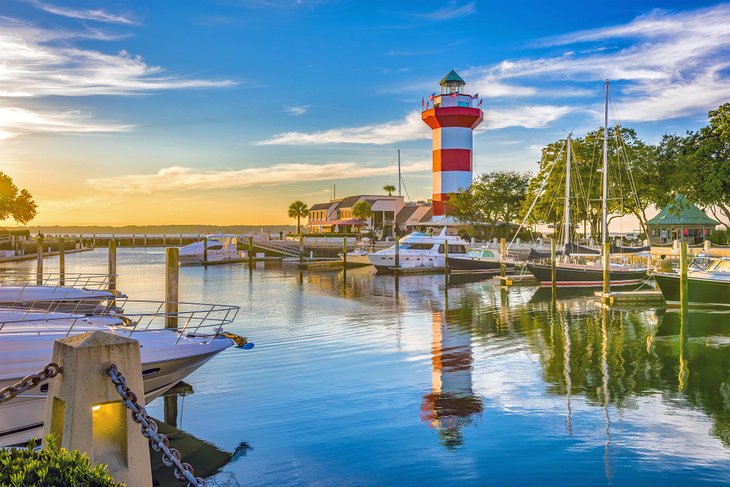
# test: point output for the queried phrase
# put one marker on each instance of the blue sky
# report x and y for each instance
(225, 111)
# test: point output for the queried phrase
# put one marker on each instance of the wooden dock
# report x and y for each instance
(630, 297)
(19, 258)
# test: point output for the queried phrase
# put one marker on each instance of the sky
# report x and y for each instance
(224, 112)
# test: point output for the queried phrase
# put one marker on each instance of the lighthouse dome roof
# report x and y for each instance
(452, 78)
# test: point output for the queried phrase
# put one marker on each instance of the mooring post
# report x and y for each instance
(61, 261)
(301, 249)
(397, 254)
(39, 261)
(683, 283)
(250, 250)
(344, 254)
(172, 281)
(446, 258)
(606, 269)
(553, 266)
(112, 264)
(503, 254)
(84, 411)
(205, 251)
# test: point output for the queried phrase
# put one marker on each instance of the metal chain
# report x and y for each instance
(48, 372)
(159, 442)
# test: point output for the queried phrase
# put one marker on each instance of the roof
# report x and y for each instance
(452, 77)
(349, 201)
(681, 212)
(405, 213)
(320, 206)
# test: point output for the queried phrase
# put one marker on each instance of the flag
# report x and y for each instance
(423, 102)
(475, 96)
(480, 103)
(453, 95)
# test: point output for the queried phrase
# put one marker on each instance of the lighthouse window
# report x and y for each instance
(464, 104)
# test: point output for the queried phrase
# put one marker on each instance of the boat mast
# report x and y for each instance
(566, 221)
(398, 151)
(604, 223)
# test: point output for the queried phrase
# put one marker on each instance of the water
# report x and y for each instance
(369, 383)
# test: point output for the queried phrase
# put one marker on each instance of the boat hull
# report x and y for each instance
(385, 262)
(702, 293)
(582, 277)
(473, 264)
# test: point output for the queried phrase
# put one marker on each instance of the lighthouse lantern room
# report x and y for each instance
(452, 116)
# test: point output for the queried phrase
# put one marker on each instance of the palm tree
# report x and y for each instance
(389, 188)
(298, 210)
(362, 211)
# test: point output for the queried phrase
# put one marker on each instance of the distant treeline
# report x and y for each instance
(155, 229)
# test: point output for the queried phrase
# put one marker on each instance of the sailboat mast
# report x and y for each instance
(566, 222)
(399, 180)
(604, 225)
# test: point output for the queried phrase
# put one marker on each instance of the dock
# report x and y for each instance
(517, 280)
(19, 258)
(631, 297)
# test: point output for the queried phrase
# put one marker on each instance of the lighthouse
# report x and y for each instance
(452, 116)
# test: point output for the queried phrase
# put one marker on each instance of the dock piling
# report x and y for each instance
(39, 261)
(301, 249)
(397, 255)
(553, 265)
(503, 253)
(61, 261)
(606, 257)
(205, 251)
(172, 281)
(250, 250)
(112, 264)
(446, 258)
(683, 283)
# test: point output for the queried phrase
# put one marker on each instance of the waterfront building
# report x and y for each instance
(680, 220)
(452, 115)
(336, 215)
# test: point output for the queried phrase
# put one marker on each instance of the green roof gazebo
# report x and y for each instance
(680, 220)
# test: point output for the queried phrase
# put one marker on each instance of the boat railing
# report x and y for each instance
(184, 318)
(94, 282)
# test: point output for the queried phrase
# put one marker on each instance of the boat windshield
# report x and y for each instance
(416, 246)
(719, 266)
(474, 253)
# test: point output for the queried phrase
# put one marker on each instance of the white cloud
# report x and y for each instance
(411, 127)
(96, 15)
(18, 121)
(452, 10)
(531, 116)
(296, 110)
(185, 178)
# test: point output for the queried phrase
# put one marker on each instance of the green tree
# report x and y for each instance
(362, 211)
(298, 210)
(15, 204)
(389, 188)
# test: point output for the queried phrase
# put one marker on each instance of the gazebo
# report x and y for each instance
(680, 220)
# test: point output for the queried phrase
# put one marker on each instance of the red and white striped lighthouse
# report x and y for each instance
(452, 116)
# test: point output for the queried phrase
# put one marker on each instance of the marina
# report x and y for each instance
(358, 381)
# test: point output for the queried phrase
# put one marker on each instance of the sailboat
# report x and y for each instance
(588, 274)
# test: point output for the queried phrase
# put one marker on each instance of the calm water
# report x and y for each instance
(369, 383)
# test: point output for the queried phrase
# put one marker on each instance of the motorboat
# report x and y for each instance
(708, 285)
(419, 249)
(221, 247)
(480, 259)
(359, 255)
(168, 354)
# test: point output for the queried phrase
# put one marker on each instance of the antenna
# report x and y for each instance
(399, 179)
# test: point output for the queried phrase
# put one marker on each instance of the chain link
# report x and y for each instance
(48, 372)
(159, 442)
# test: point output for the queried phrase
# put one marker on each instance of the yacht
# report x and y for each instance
(359, 255)
(168, 354)
(708, 284)
(479, 260)
(57, 298)
(221, 247)
(419, 249)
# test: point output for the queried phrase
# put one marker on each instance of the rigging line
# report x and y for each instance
(537, 196)
(588, 107)
(405, 189)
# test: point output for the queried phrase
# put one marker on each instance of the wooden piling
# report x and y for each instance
(446, 258)
(503, 254)
(205, 251)
(301, 249)
(344, 254)
(61, 262)
(172, 281)
(39, 261)
(397, 254)
(683, 282)
(553, 265)
(606, 257)
(250, 250)
(112, 271)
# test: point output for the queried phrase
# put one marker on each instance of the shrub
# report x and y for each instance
(51, 466)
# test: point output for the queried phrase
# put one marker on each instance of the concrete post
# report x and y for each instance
(39, 262)
(112, 264)
(84, 411)
(61, 261)
(172, 280)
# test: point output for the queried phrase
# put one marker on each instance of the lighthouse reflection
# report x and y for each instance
(452, 404)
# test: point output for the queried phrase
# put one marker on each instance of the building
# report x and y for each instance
(336, 216)
(452, 117)
(682, 221)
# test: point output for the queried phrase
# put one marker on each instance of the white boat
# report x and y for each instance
(168, 355)
(221, 247)
(359, 255)
(57, 298)
(419, 249)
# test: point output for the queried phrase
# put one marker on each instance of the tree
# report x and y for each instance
(362, 210)
(389, 188)
(18, 205)
(492, 196)
(298, 210)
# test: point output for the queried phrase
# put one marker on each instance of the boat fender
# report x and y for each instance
(241, 342)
